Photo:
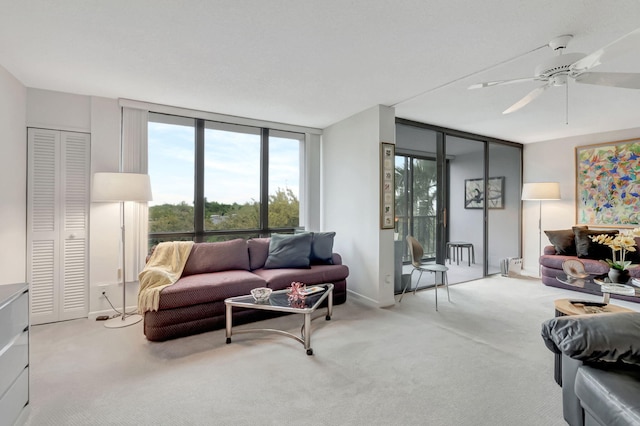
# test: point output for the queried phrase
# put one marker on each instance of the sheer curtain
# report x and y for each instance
(136, 215)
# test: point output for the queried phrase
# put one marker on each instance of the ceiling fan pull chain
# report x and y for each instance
(567, 104)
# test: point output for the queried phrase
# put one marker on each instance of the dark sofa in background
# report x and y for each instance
(216, 271)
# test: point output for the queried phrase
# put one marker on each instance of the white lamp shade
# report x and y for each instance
(541, 191)
(117, 187)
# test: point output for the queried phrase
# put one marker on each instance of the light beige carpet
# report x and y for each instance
(478, 361)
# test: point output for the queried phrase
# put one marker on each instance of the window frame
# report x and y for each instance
(199, 233)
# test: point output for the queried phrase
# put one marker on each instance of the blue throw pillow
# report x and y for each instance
(322, 248)
(289, 251)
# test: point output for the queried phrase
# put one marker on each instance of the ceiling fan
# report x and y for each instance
(557, 70)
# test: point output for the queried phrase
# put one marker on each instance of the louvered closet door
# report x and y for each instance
(58, 201)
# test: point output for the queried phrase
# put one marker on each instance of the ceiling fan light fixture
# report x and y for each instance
(559, 79)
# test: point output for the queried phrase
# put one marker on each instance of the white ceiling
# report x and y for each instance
(316, 62)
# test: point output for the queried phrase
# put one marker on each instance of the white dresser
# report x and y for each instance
(14, 353)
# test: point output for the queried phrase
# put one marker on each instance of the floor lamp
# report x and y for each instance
(540, 191)
(121, 187)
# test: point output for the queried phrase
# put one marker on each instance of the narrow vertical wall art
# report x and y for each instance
(387, 186)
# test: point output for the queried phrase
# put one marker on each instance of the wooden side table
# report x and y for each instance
(565, 307)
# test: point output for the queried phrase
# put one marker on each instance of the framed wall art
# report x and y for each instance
(474, 197)
(608, 184)
(387, 185)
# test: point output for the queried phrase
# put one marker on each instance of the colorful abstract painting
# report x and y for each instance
(607, 184)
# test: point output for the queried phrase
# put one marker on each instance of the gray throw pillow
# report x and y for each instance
(563, 241)
(322, 248)
(289, 251)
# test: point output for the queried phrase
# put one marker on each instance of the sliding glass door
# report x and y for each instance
(466, 199)
(504, 221)
(459, 197)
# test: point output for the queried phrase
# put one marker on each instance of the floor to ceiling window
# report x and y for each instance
(214, 181)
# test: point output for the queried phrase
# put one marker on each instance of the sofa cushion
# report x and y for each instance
(613, 337)
(278, 279)
(289, 251)
(588, 249)
(258, 252)
(208, 287)
(563, 241)
(610, 393)
(591, 266)
(215, 257)
(634, 256)
(322, 248)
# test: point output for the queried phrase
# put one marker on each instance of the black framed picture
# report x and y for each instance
(474, 197)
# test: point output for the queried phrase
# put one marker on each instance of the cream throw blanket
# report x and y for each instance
(163, 269)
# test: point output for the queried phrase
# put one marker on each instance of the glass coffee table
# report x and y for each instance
(279, 302)
(600, 284)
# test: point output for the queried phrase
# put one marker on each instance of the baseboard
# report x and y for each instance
(364, 299)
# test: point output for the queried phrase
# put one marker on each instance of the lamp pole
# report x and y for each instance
(540, 191)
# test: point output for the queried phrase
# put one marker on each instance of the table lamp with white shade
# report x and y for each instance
(121, 187)
(540, 191)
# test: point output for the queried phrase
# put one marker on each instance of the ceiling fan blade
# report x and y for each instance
(628, 80)
(623, 45)
(528, 98)
(499, 83)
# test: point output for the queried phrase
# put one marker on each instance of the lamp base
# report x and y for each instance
(119, 322)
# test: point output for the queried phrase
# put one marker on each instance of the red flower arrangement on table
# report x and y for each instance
(297, 294)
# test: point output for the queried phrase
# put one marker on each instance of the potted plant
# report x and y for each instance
(620, 244)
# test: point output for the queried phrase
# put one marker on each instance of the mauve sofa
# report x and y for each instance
(576, 244)
(551, 267)
(216, 271)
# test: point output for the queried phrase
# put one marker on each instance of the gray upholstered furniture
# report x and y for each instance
(216, 271)
(600, 367)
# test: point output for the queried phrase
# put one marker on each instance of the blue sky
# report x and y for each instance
(232, 164)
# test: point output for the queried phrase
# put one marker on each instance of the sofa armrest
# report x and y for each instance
(603, 337)
(337, 259)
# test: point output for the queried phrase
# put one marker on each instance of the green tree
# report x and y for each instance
(284, 209)
(171, 218)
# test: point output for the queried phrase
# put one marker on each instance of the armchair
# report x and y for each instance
(600, 367)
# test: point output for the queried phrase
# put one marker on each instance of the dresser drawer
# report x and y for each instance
(13, 360)
(14, 399)
(14, 318)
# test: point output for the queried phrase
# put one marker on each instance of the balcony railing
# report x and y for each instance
(424, 230)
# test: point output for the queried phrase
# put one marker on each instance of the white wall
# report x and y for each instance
(351, 201)
(554, 161)
(13, 175)
(58, 111)
(104, 226)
